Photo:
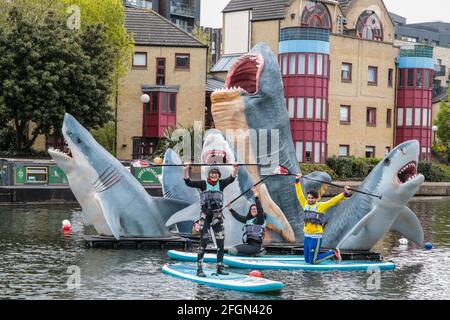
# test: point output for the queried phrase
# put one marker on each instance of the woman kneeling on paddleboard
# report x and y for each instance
(211, 215)
(254, 229)
(313, 228)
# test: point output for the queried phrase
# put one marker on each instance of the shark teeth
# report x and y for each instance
(408, 172)
(215, 156)
(227, 90)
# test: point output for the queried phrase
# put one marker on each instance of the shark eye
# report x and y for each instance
(79, 140)
(387, 162)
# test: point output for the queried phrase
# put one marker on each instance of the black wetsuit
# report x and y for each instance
(251, 246)
(211, 217)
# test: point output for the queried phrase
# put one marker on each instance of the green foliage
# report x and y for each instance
(201, 35)
(308, 168)
(351, 168)
(106, 137)
(434, 172)
(47, 69)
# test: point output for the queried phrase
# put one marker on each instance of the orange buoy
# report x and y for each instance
(66, 226)
(255, 273)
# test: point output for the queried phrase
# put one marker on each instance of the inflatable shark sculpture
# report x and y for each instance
(115, 203)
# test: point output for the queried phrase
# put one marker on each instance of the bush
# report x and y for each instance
(434, 172)
(308, 168)
(351, 168)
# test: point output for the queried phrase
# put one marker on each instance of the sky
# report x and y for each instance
(413, 10)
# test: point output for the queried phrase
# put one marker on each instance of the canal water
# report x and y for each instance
(36, 261)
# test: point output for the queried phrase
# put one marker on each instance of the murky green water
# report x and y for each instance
(35, 256)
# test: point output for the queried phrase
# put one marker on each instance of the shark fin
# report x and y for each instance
(358, 227)
(111, 216)
(272, 209)
(408, 225)
(273, 223)
(191, 213)
(169, 207)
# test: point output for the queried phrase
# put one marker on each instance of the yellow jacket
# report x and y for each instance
(322, 207)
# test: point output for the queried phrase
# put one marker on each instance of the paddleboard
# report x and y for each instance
(212, 258)
(233, 281)
(328, 265)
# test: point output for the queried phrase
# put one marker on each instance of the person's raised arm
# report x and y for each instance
(324, 206)
(236, 215)
(298, 188)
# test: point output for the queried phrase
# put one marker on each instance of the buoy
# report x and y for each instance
(158, 160)
(66, 226)
(428, 246)
(403, 241)
(255, 273)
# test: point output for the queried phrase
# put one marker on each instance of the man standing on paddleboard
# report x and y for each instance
(211, 215)
(313, 228)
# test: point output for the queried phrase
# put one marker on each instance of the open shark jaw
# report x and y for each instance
(407, 172)
(243, 76)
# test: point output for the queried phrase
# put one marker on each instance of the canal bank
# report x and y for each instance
(63, 194)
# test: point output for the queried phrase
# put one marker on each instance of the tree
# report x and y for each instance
(106, 136)
(47, 69)
(443, 123)
(201, 35)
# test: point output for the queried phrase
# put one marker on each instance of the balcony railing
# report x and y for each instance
(439, 91)
(439, 71)
(182, 10)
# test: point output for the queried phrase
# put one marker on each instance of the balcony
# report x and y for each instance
(182, 10)
(439, 71)
(439, 93)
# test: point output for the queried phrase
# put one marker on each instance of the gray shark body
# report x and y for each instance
(361, 221)
(113, 201)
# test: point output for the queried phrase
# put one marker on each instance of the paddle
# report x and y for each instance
(203, 164)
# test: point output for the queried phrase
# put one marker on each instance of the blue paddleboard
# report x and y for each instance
(212, 258)
(328, 265)
(233, 281)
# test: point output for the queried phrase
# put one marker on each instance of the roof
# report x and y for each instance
(262, 9)
(149, 28)
(345, 5)
(225, 62)
(213, 84)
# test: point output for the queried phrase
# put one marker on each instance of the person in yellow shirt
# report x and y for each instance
(313, 228)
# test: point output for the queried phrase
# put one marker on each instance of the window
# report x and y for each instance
(316, 15)
(140, 59)
(390, 77)
(424, 153)
(319, 64)
(410, 77)
(164, 103)
(299, 150)
(388, 149)
(318, 108)
(310, 108)
(292, 58)
(160, 71)
(285, 64)
(369, 26)
(371, 117)
(317, 152)
(419, 77)
(370, 152)
(409, 115)
(325, 66)
(344, 150)
(346, 72)
(311, 64)
(401, 78)
(426, 79)
(417, 114)
(373, 75)
(388, 118)
(291, 107)
(154, 102)
(173, 103)
(400, 117)
(345, 114)
(300, 108)
(323, 151)
(301, 63)
(182, 61)
(308, 152)
(324, 108)
(425, 118)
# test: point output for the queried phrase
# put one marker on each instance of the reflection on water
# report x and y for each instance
(35, 257)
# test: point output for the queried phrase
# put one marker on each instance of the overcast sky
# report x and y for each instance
(413, 10)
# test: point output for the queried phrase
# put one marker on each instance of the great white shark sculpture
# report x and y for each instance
(113, 201)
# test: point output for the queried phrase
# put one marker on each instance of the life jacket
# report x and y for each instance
(253, 231)
(212, 197)
(312, 216)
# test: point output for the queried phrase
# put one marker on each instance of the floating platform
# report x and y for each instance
(190, 244)
(94, 241)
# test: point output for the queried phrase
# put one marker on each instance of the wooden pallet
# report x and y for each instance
(94, 241)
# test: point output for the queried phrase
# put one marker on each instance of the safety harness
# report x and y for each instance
(212, 198)
(253, 231)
